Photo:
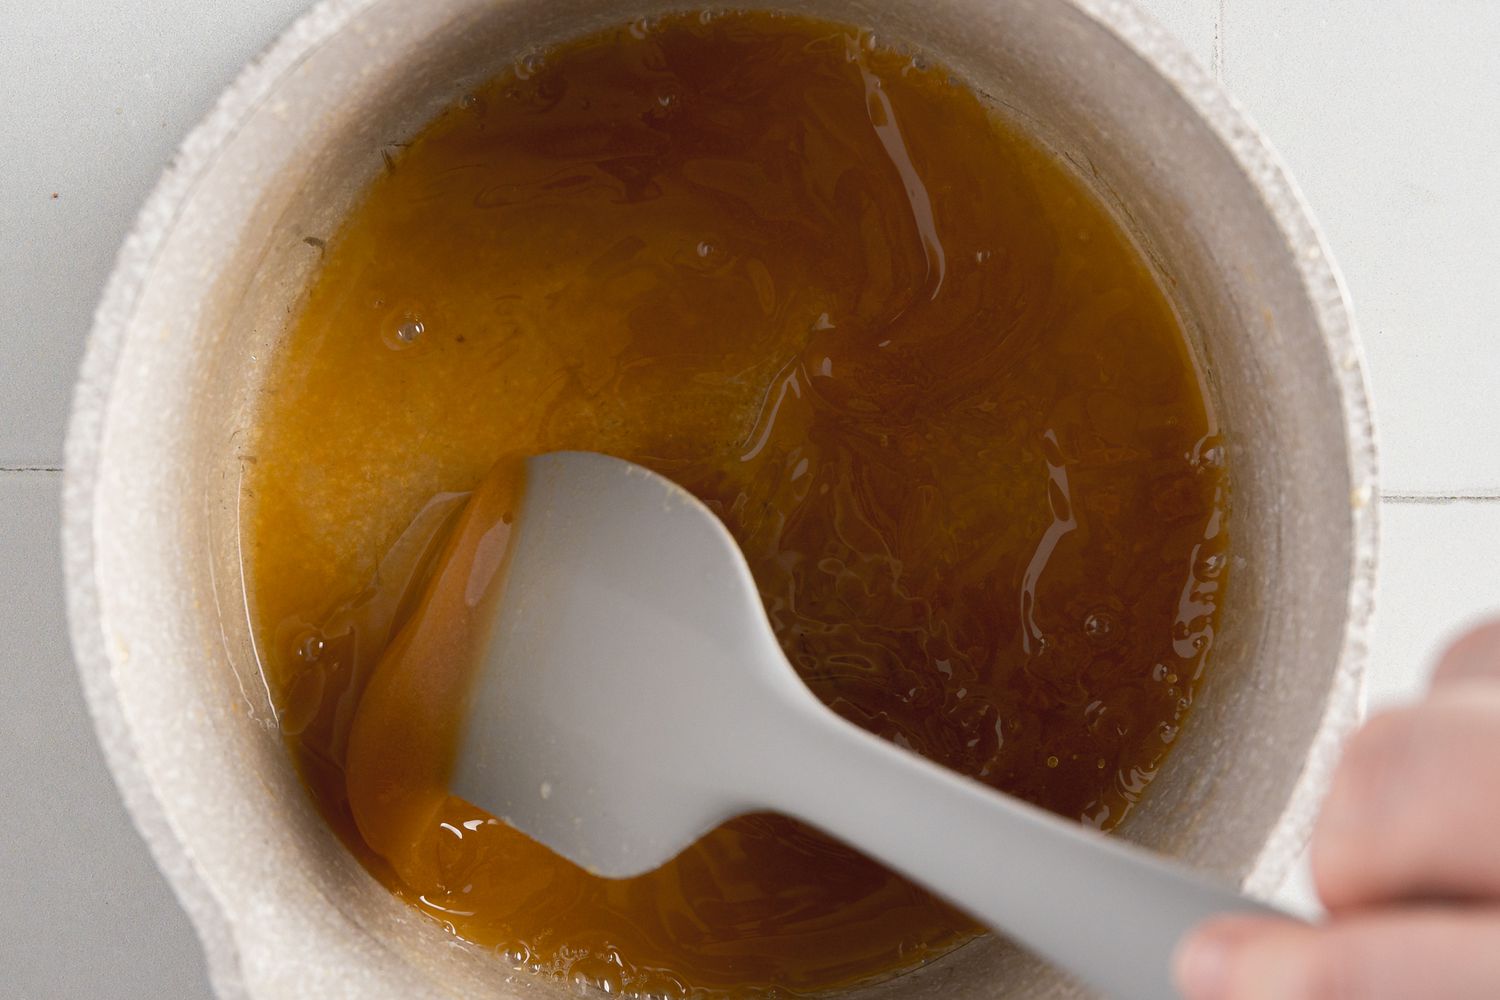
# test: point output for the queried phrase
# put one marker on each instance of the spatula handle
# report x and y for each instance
(1105, 910)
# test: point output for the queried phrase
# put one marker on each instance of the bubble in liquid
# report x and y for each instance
(656, 985)
(311, 647)
(528, 66)
(1099, 625)
(590, 974)
(1208, 454)
(705, 248)
(1211, 565)
(1052, 762)
(409, 331)
(607, 985)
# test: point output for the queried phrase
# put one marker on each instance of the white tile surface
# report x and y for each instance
(1194, 22)
(83, 910)
(1439, 573)
(97, 95)
(1387, 112)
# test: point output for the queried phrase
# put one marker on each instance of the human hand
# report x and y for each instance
(1406, 857)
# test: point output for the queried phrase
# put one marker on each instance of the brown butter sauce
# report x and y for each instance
(920, 373)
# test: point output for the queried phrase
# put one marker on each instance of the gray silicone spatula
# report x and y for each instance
(633, 696)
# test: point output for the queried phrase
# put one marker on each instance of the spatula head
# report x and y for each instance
(629, 673)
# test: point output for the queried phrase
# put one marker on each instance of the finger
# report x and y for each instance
(1475, 656)
(1393, 955)
(1414, 805)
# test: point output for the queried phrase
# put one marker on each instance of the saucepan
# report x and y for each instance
(220, 260)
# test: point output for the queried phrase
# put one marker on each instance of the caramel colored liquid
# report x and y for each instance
(916, 368)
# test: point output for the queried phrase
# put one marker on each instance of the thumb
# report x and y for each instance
(1442, 954)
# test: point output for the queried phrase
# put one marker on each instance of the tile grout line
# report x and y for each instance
(1216, 53)
(1462, 496)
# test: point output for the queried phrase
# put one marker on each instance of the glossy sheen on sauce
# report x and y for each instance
(920, 373)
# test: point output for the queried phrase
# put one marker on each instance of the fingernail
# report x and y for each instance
(1201, 967)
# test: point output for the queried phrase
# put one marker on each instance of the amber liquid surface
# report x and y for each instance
(920, 373)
